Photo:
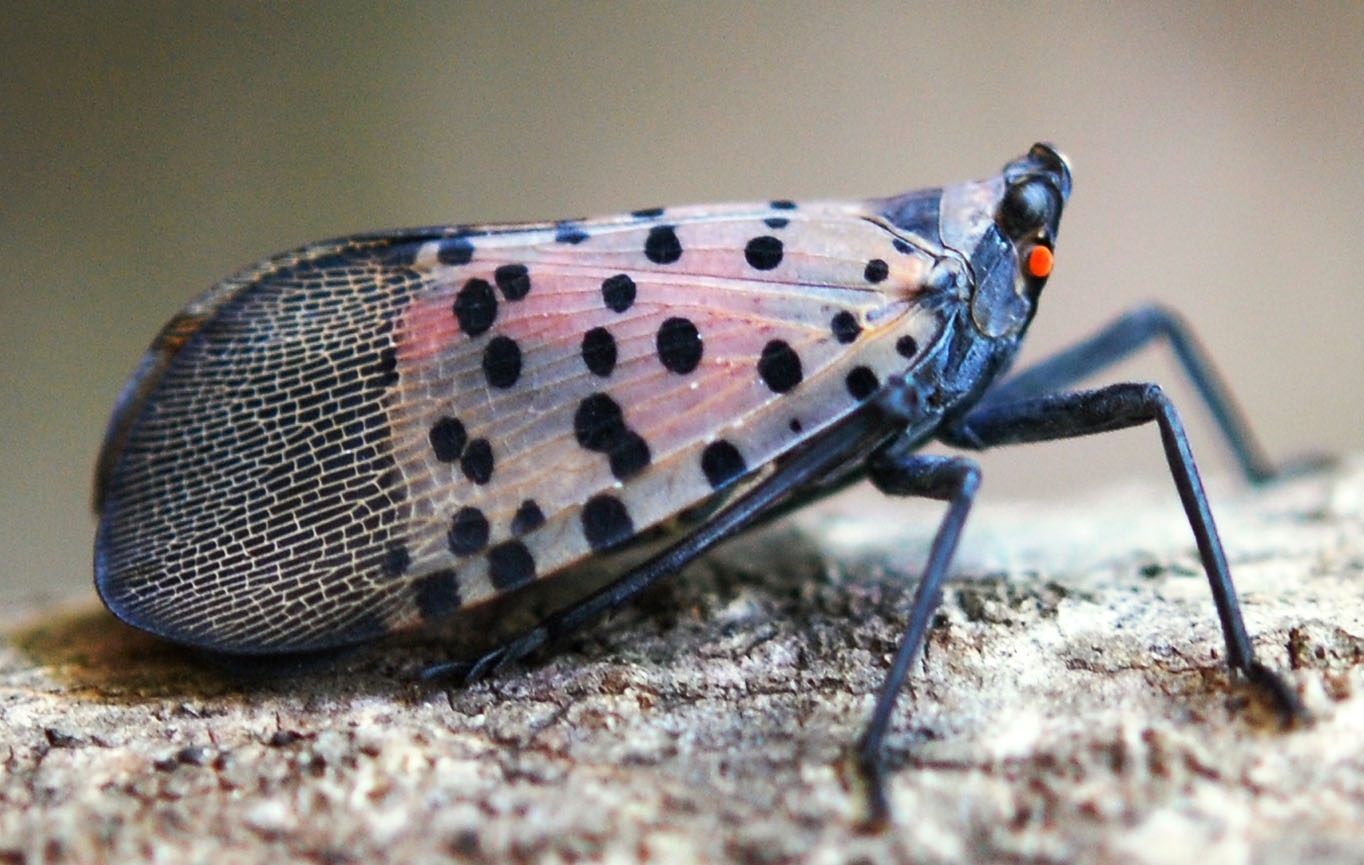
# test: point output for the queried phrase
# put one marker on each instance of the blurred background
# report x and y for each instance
(151, 149)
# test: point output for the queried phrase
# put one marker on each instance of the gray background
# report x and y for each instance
(150, 150)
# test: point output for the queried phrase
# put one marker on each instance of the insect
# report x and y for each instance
(375, 432)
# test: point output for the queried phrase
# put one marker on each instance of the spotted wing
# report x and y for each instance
(369, 433)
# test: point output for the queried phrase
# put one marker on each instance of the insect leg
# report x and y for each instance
(955, 481)
(1118, 406)
(1126, 335)
(853, 438)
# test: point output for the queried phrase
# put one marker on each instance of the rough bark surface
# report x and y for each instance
(1071, 706)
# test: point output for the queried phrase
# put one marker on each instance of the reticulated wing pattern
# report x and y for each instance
(254, 497)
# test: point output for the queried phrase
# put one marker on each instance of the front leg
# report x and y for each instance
(1118, 406)
(955, 481)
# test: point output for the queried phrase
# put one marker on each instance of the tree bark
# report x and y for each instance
(1071, 705)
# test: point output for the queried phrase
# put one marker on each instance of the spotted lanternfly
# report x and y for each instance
(379, 431)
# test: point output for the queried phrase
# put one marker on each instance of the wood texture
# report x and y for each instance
(1071, 707)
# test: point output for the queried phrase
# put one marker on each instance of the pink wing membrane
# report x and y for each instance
(736, 311)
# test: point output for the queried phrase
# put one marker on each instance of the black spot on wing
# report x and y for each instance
(502, 362)
(662, 245)
(528, 518)
(721, 463)
(679, 346)
(763, 253)
(862, 382)
(475, 307)
(629, 455)
(447, 437)
(597, 421)
(599, 351)
(618, 292)
(477, 461)
(779, 366)
(845, 327)
(437, 594)
(510, 565)
(570, 234)
(606, 522)
(513, 280)
(455, 251)
(468, 531)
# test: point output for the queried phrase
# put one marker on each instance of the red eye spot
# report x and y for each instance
(1040, 261)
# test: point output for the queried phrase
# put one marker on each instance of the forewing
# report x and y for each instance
(370, 433)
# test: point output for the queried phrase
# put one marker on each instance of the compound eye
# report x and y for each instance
(1026, 207)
